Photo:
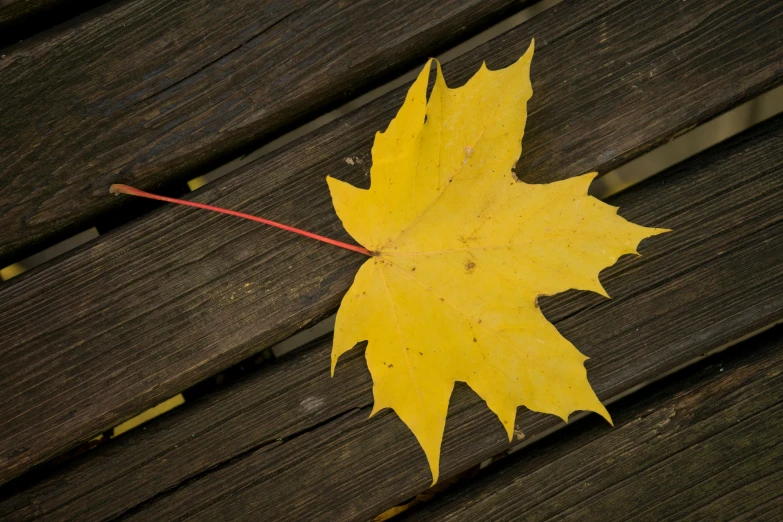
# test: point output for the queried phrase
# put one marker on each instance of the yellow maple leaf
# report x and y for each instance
(461, 250)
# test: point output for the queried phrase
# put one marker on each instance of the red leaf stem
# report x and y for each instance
(125, 189)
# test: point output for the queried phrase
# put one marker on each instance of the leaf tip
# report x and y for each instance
(435, 473)
(375, 409)
(603, 412)
(594, 285)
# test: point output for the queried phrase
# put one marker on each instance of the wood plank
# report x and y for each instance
(142, 93)
(706, 445)
(291, 432)
(20, 19)
(144, 312)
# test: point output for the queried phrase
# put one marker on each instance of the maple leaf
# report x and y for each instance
(461, 251)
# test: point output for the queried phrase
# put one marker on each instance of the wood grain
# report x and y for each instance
(148, 94)
(140, 314)
(706, 445)
(21, 19)
(290, 432)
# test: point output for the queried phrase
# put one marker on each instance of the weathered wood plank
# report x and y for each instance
(150, 94)
(290, 432)
(143, 312)
(706, 445)
(23, 18)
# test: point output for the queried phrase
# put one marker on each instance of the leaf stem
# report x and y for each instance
(125, 189)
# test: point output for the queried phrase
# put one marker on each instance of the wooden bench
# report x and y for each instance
(151, 94)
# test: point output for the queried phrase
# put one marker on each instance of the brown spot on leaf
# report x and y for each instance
(469, 266)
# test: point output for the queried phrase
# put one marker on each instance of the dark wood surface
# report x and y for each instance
(21, 19)
(156, 306)
(707, 445)
(149, 94)
(17, 12)
(292, 443)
